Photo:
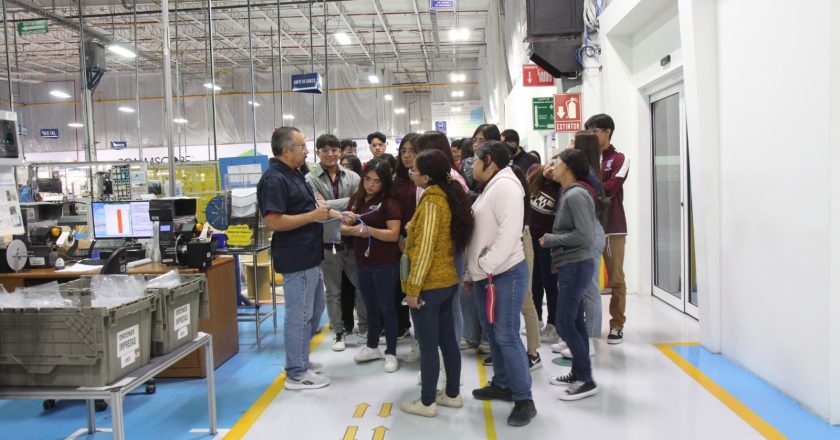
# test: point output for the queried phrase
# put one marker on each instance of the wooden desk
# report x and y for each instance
(222, 323)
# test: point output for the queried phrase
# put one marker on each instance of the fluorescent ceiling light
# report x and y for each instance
(459, 34)
(399, 111)
(342, 38)
(59, 94)
(75, 125)
(126, 109)
(253, 103)
(457, 93)
(389, 97)
(373, 79)
(458, 77)
(456, 109)
(289, 117)
(415, 122)
(121, 51)
(180, 121)
(211, 86)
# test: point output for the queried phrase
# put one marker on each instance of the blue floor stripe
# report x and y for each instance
(179, 404)
(767, 402)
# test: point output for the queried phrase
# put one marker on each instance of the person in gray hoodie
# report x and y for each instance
(570, 242)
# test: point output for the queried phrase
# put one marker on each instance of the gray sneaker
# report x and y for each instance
(548, 335)
(308, 381)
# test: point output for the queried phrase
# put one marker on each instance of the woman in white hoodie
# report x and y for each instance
(496, 251)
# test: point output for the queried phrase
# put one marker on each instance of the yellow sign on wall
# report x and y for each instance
(239, 235)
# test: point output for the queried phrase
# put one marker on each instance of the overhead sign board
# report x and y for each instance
(535, 76)
(51, 133)
(307, 82)
(119, 145)
(441, 5)
(440, 126)
(33, 27)
(543, 113)
(567, 112)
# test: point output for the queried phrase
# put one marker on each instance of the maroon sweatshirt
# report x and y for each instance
(614, 169)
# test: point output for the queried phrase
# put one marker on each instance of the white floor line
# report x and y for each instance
(84, 431)
(220, 432)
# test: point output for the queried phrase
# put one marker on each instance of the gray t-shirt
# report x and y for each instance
(572, 234)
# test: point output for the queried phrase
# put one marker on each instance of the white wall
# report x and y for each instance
(763, 113)
(520, 116)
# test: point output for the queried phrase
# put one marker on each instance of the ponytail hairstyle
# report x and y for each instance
(498, 153)
(435, 165)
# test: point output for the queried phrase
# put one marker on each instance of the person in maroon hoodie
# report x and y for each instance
(614, 170)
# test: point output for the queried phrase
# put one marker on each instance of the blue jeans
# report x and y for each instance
(510, 361)
(544, 279)
(434, 328)
(572, 280)
(457, 307)
(305, 302)
(379, 286)
(592, 295)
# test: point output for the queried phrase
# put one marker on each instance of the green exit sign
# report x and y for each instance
(33, 27)
(543, 113)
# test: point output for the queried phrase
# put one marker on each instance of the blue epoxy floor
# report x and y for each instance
(178, 406)
(767, 402)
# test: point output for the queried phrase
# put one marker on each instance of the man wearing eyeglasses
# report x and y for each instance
(333, 185)
(290, 210)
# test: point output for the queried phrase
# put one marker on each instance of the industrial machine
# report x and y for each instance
(45, 237)
(175, 223)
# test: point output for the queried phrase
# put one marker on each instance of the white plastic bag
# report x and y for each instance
(13, 300)
(46, 295)
(115, 290)
(169, 280)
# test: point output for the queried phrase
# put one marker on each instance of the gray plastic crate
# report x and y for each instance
(175, 321)
(73, 347)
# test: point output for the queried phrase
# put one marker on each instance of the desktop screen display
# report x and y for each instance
(121, 220)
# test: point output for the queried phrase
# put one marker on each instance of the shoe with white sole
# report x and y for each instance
(616, 336)
(534, 362)
(466, 345)
(566, 353)
(316, 367)
(451, 402)
(414, 354)
(391, 363)
(367, 354)
(549, 334)
(338, 342)
(484, 348)
(559, 347)
(579, 390)
(417, 408)
(568, 379)
(308, 381)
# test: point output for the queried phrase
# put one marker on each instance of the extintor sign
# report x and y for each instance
(567, 112)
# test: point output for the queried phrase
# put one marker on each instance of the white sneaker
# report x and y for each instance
(566, 353)
(484, 348)
(367, 354)
(451, 402)
(466, 345)
(414, 354)
(549, 334)
(391, 363)
(559, 347)
(316, 367)
(308, 381)
(338, 342)
(416, 407)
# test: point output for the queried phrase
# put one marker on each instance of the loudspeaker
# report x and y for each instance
(558, 56)
(552, 18)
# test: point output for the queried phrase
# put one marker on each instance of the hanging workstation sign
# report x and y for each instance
(441, 5)
(119, 145)
(543, 113)
(33, 27)
(49, 133)
(307, 82)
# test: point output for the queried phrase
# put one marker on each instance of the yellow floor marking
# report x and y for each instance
(350, 434)
(489, 423)
(360, 410)
(386, 410)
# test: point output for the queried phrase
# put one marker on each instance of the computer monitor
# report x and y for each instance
(49, 185)
(128, 219)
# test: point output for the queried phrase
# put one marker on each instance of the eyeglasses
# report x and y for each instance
(373, 181)
(412, 172)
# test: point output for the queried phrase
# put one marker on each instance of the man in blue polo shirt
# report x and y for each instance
(289, 209)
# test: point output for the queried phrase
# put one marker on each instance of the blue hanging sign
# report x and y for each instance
(119, 145)
(51, 133)
(307, 82)
(441, 5)
(440, 126)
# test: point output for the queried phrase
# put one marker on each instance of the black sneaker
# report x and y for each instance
(534, 362)
(488, 361)
(579, 390)
(523, 412)
(616, 336)
(492, 392)
(563, 380)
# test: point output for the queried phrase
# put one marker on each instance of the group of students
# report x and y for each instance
(458, 242)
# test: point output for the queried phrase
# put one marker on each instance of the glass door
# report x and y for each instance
(672, 248)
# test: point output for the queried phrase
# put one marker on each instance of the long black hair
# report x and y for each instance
(435, 140)
(498, 153)
(355, 163)
(434, 164)
(402, 171)
(489, 131)
(587, 142)
(385, 173)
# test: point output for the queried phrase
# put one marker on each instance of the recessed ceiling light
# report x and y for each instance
(289, 117)
(389, 97)
(459, 34)
(373, 79)
(121, 51)
(458, 77)
(126, 109)
(211, 86)
(75, 125)
(180, 121)
(59, 94)
(342, 38)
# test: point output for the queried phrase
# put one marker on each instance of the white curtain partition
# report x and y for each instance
(353, 113)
